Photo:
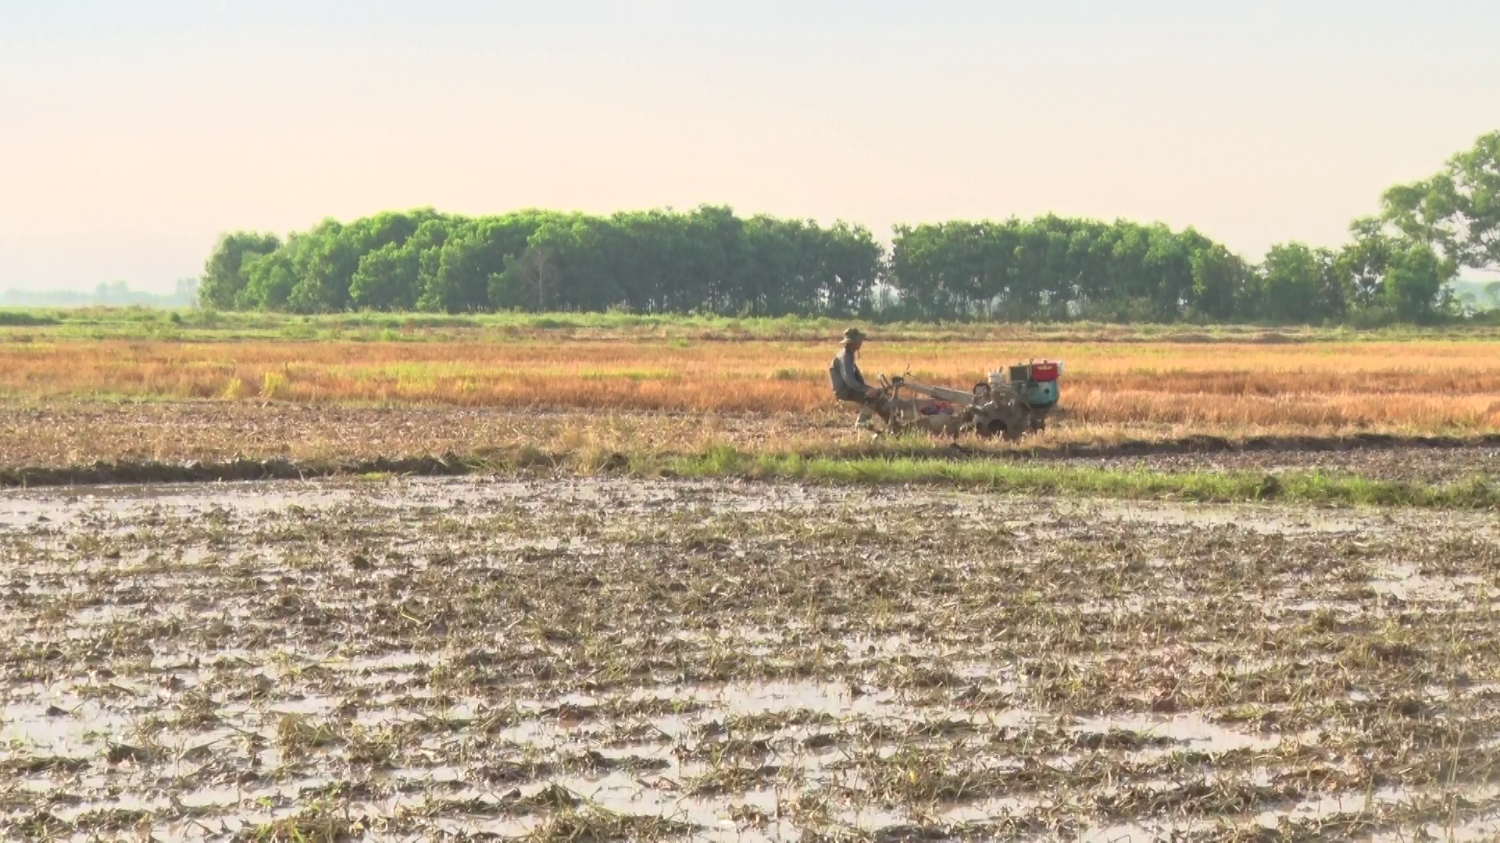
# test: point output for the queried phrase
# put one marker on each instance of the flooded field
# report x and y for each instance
(584, 659)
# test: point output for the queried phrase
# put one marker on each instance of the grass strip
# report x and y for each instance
(728, 463)
(194, 325)
(1219, 487)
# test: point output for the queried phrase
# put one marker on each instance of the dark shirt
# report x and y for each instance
(852, 377)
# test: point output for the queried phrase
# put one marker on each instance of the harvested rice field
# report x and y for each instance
(566, 658)
(1420, 385)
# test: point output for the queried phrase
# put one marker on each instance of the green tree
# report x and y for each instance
(386, 278)
(223, 274)
(709, 260)
(1363, 263)
(270, 281)
(1218, 283)
(1457, 210)
(1290, 282)
(762, 280)
(532, 278)
(326, 264)
(1416, 282)
(1170, 272)
(1335, 290)
(851, 269)
(460, 269)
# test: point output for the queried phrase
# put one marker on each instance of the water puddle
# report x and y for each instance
(1406, 583)
(1192, 730)
(1362, 803)
(1483, 830)
(60, 725)
(1263, 519)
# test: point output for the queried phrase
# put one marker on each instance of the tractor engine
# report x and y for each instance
(1037, 385)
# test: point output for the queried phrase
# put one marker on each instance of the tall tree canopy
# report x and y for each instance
(708, 260)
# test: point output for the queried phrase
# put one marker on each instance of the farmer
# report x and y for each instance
(848, 384)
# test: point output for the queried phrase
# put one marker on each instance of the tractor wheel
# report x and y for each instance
(990, 428)
(1019, 424)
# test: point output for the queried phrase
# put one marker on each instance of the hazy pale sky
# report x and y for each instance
(133, 133)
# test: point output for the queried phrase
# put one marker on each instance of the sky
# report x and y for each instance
(132, 134)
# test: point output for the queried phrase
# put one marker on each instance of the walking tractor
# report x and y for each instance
(1014, 401)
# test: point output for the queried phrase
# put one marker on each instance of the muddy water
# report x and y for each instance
(1409, 464)
(731, 660)
(20, 508)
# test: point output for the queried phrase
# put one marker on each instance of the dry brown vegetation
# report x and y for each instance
(643, 660)
(1325, 387)
(70, 437)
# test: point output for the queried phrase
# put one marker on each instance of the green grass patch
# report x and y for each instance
(625, 374)
(26, 319)
(725, 462)
(198, 325)
(1041, 478)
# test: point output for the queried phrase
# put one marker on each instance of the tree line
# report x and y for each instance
(1396, 267)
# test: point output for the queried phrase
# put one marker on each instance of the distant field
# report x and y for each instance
(1421, 385)
(83, 386)
(152, 323)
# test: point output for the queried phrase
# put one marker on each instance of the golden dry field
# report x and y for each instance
(100, 387)
(1423, 386)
